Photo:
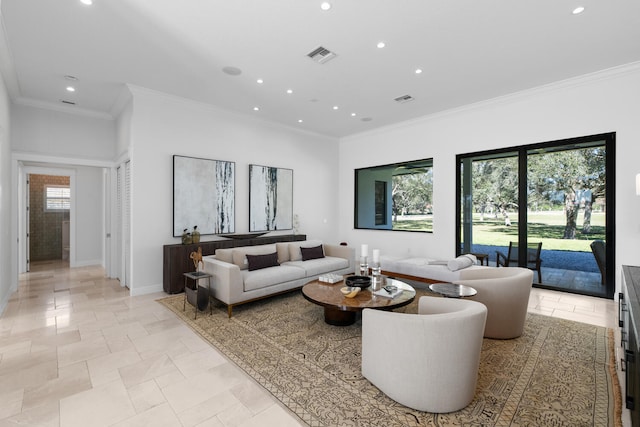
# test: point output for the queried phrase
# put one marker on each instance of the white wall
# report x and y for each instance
(123, 131)
(56, 133)
(7, 248)
(162, 126)
(604, 102)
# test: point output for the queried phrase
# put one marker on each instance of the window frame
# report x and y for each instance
(365, 203)
(64, 201)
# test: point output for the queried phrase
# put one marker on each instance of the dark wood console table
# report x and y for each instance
(176, 261)
(629, 321)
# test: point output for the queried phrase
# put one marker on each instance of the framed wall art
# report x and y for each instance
(270, 198)
(203, 195)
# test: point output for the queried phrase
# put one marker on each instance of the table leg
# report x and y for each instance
(336, 317)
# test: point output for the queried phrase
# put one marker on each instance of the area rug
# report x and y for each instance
(558, 373)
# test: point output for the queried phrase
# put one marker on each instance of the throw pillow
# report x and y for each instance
(312, 253)
(294, 248)
(463, 261)
(256, 262)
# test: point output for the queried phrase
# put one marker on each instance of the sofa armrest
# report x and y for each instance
(338, 251)
(227, 280)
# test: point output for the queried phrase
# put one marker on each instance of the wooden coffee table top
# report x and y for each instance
(329, 295)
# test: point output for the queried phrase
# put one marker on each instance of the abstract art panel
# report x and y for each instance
(203, 195)
(270, 198)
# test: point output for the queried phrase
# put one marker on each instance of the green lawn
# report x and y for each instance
(414, 225)
(545, 227)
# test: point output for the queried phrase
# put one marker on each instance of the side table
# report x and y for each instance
(483, 258)
(452, 290)
(190, 293)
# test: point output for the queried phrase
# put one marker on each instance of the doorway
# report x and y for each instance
(48, 222)
(555, 194)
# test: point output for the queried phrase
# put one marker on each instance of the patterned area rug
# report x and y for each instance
(559, 373)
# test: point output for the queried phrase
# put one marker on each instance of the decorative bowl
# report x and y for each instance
(358, 281)
(350, 292)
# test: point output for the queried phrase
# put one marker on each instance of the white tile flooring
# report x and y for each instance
(77, 350)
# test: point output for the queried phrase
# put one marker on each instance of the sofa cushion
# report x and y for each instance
(294, 248)
(225, 255)
(270, 276)
(283, 251)
(239, 254)
(316, 267)
(257, 262)
(311, 253)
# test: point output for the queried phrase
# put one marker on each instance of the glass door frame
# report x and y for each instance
(462, 213)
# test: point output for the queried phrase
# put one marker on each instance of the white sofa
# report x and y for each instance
(421, 269)
(233, 283)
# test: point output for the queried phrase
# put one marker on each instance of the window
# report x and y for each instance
(57, 198)
(395, 197)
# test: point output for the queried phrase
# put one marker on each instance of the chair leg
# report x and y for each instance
(539, 275)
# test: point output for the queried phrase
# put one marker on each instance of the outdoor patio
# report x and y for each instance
(567, 270)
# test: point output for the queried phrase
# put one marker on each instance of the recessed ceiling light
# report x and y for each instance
(87, 2)
(256, 108)
(325, 5)
(335, 107)
(71, 89)
(381, 45)
(289, 91)
(418, 70)
(353, 114)
(260, 81)
(578, 10)
(299, 120)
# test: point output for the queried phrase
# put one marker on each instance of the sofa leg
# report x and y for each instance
(229, 310)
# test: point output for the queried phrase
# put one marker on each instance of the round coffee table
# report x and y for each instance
(341, 311)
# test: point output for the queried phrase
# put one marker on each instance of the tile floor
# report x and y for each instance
(77, 350)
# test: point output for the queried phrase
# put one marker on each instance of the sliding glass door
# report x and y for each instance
(547, 206)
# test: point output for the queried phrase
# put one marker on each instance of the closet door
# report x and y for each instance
(118, 225)
(127, 224)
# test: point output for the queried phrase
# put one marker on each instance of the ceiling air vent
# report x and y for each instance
(404, 98)
(321, 55)
(67, 102)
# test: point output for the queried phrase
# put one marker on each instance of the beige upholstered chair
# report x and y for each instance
(427, 361)
(505, 292)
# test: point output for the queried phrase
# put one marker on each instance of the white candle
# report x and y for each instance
(364, 250)
(376, 255)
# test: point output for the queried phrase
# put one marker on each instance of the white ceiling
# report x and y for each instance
(469, 51)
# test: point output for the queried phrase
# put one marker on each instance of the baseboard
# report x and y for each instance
(86, 263)
(145, 290)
